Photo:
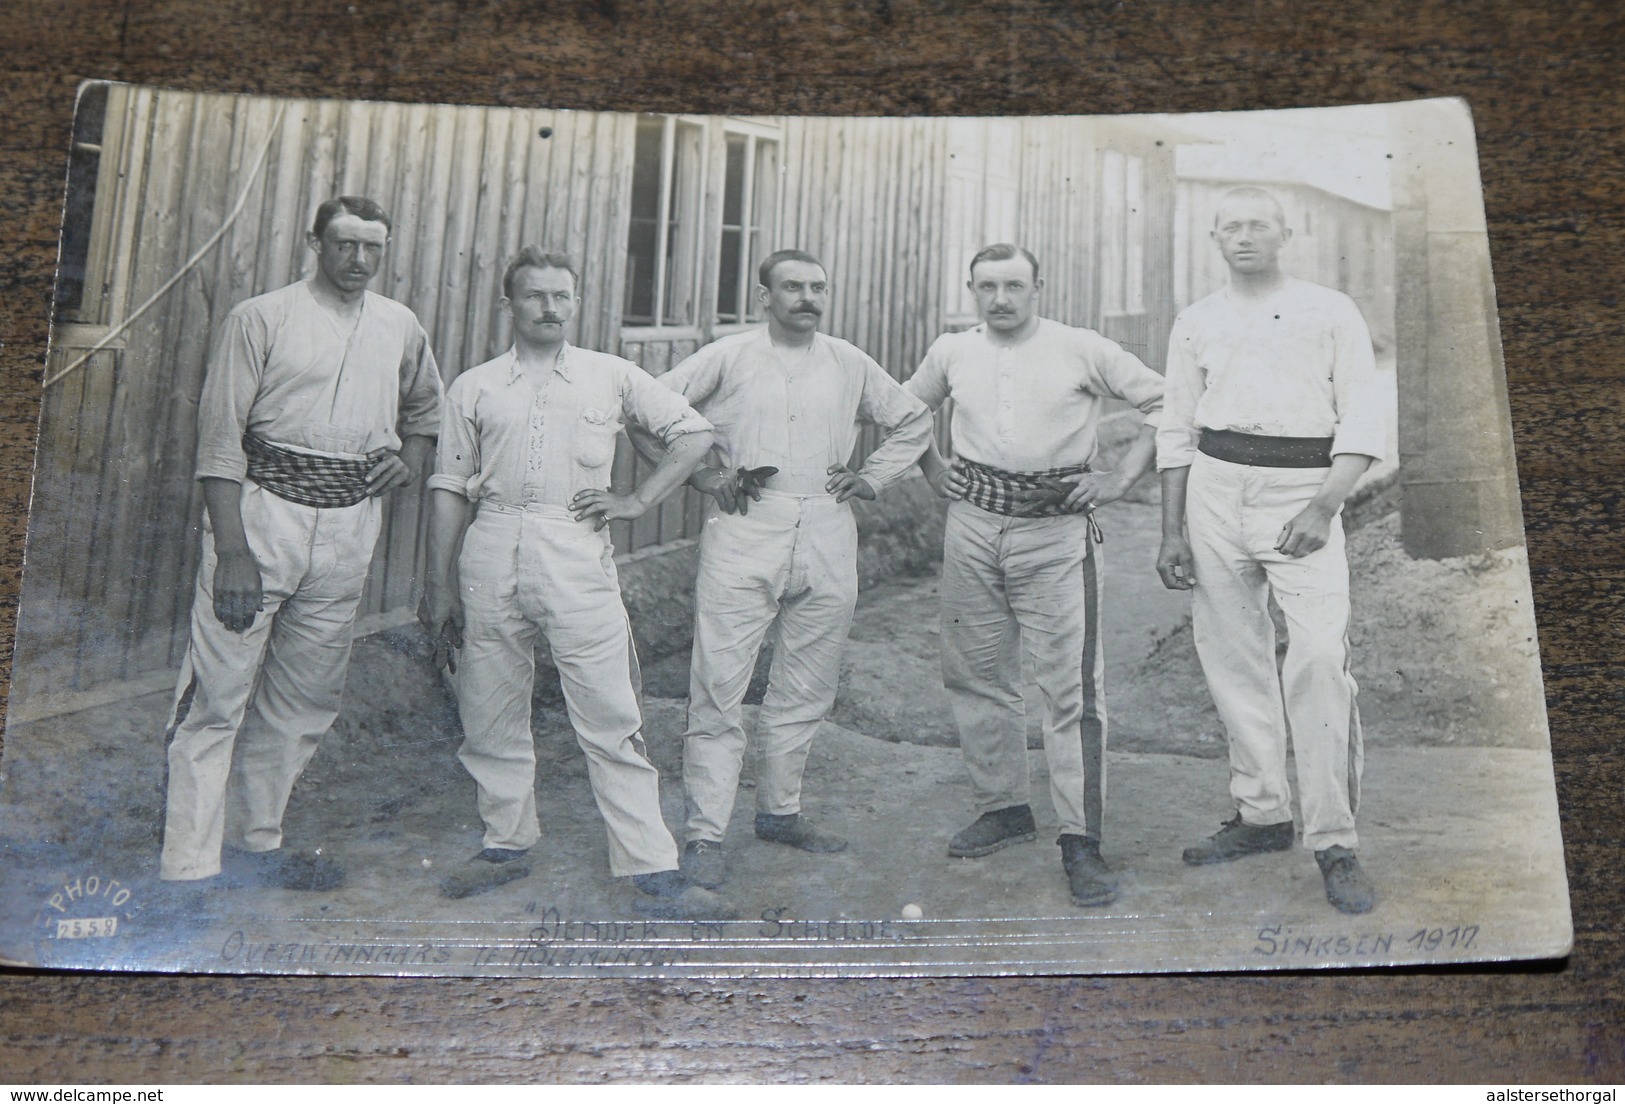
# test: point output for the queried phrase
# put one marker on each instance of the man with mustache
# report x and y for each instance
(518, 549)
(1019, 570)
(779, 546)
(319, 399)
(1273, 415)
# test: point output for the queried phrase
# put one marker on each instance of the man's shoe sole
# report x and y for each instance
(1352, 908)
(988, 849)
(1195, 857)
(1106, 896)
(470, 882)
(694, 903)
(812, 847)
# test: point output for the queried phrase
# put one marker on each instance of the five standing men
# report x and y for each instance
(1273, 415)
(322, 396)
(1018, 569)
(319, 398)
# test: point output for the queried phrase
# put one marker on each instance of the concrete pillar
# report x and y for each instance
(1459, 478)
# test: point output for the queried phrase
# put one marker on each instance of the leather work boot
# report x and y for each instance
(492, 867)
(1347, 887)
(797, 831)
(280, 869)
(992, 831)
(672, 896)
(1238, 838)
(702, 863)
(1087, 874)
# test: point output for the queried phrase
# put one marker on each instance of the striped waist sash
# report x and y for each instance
(996, 491)
(326, 482)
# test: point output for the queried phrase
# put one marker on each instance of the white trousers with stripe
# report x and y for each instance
(538, 572)
(251, 707)
(1234, 515)
(791, 561)
(1026, 584)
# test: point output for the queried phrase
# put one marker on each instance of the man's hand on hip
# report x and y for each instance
(950, 483)
(607, 506)
(720, 485)
(844, 483)
(388, 472)
(238, 596)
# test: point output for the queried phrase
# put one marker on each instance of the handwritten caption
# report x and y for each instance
(557, 941)
(1282, 941)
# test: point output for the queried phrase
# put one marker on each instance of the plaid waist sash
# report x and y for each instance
(327, 482)
(995, 490)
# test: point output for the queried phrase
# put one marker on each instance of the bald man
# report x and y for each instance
(1272, 416)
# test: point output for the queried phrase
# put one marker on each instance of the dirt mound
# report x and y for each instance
(1444, 652)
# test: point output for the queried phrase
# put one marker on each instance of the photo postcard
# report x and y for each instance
(514, 541)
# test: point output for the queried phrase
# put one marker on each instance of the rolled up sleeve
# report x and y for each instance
(457, 454)
(1362, 419)
(658, 408)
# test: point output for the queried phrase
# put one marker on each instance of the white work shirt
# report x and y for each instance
(292, 373)
(1297, 363)
(799, 409)
(503, 438)
(1035, 405)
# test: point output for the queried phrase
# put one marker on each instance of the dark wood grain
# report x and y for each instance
(1544, 84)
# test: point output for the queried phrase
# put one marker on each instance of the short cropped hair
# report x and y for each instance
(1003, 251)
(361, 207)
(535, 257)
(764, 271)
(1251, 191)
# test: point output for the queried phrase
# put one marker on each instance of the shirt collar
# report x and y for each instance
(561, 364)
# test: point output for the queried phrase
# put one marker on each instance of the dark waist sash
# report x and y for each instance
(995, 490)
(327, 482)
(1266, 452)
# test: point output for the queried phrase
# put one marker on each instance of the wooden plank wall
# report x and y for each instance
(1059, 215)
(866, 197)
(465, 186)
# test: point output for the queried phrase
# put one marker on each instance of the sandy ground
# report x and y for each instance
(1459, 824)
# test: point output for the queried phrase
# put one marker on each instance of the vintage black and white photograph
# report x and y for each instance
(505, 541)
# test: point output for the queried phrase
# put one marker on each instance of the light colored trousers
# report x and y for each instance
(1011, 583)
(1233, 516)
(793, 559)
(537, 571)
(252, 706)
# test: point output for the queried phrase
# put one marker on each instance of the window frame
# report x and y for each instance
(1123, 234)
(102, 301)
(752, 223)
(698, 183)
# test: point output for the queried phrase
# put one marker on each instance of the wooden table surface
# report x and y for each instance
(1544, 81)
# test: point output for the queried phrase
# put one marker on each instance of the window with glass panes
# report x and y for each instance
(749, 189)
(668, 188)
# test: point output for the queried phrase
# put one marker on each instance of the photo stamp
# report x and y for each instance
(515, 541)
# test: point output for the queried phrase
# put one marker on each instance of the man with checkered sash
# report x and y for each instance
(319, 398)
(1021, 557)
